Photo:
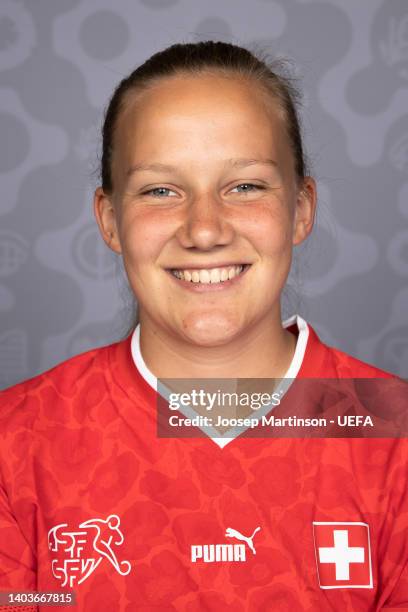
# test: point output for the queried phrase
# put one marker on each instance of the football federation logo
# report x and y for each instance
(80, 551)
(210, 553)
(343, 555)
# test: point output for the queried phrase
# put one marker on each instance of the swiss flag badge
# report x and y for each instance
(343, 555)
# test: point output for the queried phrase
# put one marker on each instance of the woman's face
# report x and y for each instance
(204, 190)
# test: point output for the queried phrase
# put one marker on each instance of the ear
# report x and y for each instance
(105, 215)
(305, 210)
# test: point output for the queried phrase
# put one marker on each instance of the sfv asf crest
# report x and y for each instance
(80, 551)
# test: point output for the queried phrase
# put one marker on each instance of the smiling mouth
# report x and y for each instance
(207, 276)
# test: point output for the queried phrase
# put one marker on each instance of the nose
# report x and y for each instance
(205, 224)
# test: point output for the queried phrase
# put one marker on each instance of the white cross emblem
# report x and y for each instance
(341, 554)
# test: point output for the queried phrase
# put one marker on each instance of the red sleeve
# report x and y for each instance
(17, 561)
(398, 600)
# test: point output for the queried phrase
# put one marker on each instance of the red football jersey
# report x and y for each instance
(93, 501)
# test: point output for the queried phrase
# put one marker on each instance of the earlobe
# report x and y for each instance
(305, 210)
(104, 211)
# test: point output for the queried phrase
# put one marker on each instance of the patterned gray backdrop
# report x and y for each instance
(62, 291)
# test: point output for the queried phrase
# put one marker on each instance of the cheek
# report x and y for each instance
(271, 231)
(142, 238)
(136, 248)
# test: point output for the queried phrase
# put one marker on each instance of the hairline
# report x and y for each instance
(130, 97)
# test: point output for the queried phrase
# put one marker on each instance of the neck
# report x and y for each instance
(264, 351)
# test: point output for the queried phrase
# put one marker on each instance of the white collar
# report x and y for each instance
(292, 371)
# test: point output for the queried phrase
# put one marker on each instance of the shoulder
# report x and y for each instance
(23, 403)
(328, 361)
(349, 366)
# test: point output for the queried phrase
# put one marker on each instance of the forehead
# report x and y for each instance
(195, 114)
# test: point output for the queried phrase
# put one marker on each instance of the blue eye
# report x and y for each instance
(157, 192)
(251, 185)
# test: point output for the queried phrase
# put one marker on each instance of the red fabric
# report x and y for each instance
(78, 444)
(19, 608)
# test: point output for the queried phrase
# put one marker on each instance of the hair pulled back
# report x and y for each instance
(193, 58)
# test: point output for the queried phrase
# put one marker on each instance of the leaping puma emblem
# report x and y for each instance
(233, 533)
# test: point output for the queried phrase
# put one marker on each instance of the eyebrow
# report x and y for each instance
(240, 162)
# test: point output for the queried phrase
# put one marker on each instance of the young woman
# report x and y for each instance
(204, 193)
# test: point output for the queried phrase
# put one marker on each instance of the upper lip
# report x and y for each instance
(209, 266)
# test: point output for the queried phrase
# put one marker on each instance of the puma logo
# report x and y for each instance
(215, 553)
(233, 533)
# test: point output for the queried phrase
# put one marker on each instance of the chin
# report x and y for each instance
(215, 329)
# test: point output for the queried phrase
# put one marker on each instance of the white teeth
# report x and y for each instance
(204, 276)
(213, 275)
